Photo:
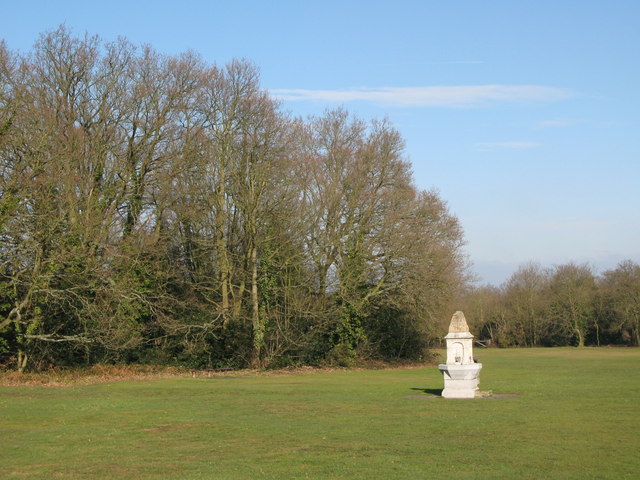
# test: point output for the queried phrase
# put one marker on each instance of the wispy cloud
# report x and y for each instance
(430, 96)
(576, 224)
(455, 62)
(558, 123)
(430, 63)
(613, 123)
(486, 146)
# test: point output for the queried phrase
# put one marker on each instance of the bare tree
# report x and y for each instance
(620, 289)
(524, 294)
(572, 292)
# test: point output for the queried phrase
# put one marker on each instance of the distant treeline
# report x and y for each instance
(159, 209)
(565, 305)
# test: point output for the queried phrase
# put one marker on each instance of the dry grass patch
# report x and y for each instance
(63, 377)
(66, 377)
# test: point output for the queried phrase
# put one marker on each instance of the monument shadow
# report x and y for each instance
(430, 391)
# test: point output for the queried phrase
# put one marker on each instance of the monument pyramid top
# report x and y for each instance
(458, 323)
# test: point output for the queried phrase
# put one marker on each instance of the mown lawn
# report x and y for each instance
(577, 416)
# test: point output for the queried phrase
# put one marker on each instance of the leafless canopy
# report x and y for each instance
(156, 208)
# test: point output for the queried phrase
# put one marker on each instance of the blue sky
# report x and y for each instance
(523, 115)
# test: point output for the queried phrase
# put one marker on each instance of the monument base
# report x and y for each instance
(460, 381)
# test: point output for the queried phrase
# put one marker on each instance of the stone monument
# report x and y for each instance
(461, 372)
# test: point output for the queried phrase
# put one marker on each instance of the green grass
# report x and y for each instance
(577, 416)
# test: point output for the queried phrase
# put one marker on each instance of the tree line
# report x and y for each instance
(160, 209)
(565, 305)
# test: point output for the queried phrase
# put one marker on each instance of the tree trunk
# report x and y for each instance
(256, 320)
(221, 247)
(22, 361)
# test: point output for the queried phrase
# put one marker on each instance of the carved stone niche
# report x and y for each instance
(461, 373)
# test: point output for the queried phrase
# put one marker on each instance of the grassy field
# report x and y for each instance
(577, 415)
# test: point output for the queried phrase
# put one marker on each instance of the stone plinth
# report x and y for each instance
(460, 381)
(461, 373)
